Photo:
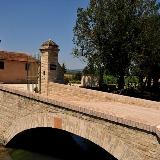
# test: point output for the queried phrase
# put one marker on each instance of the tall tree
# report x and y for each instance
(64, 68)
(148, 49)
(107, 32)
(89, 36)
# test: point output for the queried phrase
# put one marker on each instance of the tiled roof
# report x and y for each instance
(15, 56)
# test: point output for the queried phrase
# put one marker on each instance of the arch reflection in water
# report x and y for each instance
(55, 144)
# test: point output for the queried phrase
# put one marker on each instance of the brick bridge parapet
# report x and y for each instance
(93, 95)
(124, 136)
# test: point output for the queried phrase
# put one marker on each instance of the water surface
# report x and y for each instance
(19, 154)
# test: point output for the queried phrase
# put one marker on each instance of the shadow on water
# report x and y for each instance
(55, 144)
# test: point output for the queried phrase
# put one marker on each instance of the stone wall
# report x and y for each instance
(20, 110)
(50, 69)
(52, 60)
(89, 81)
(60, 74)
(44, 72)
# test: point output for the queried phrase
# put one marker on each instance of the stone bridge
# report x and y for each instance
(128, 128)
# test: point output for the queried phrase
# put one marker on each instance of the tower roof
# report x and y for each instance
(49, 43)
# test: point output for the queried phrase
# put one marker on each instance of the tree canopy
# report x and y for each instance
(113, 35)
(64, 68)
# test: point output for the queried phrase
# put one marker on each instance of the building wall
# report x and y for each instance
(89, 81)
(33, 72)
(51, 70)
(52, 60)
(15, 72)
(60, 74)
(44, 72)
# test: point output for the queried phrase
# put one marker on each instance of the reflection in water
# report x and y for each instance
(19, 154)
(52, 144)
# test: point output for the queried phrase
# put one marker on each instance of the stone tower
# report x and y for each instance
(49, 62)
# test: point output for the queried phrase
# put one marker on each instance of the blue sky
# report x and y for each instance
(25, 24)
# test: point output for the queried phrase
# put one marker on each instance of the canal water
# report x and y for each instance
(51, 144)
(19, 154)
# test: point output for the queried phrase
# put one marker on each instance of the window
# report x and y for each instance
(1, 65)
(53, 67)
(27, 66)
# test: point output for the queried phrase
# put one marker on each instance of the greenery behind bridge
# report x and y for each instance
(120, 38)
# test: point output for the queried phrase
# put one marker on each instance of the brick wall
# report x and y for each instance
(50, 69)
(44, 72)
(60, 74)
(91, 95)
(21, 110)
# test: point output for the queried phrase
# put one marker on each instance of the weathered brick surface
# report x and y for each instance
(44, 72)
(81, 94)
(20, 110)
(49, 57)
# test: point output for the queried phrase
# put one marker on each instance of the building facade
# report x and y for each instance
(17, 68)
(22, 68)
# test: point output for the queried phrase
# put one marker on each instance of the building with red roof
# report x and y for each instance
(17, 67)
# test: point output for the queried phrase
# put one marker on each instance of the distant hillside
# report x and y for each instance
(74, 70)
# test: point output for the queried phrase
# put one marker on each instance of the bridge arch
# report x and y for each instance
(81, 126)
(57, 143)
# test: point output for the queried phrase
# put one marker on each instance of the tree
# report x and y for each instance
(64, 68)
(88, 37)
(148, 50)
(106, 34)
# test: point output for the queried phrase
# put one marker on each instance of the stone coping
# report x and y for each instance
(84, 110)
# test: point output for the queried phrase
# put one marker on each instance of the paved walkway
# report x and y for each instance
(134, 113)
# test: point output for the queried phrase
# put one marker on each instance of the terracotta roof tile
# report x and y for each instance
(15, 56)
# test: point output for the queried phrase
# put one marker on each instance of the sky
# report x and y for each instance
(26, 24)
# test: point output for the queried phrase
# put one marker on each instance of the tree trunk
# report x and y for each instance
(155, 83)
(101, 73)
(149, 81)
(121, 81)
(141, 84)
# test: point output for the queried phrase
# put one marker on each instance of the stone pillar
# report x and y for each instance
(49, 62)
